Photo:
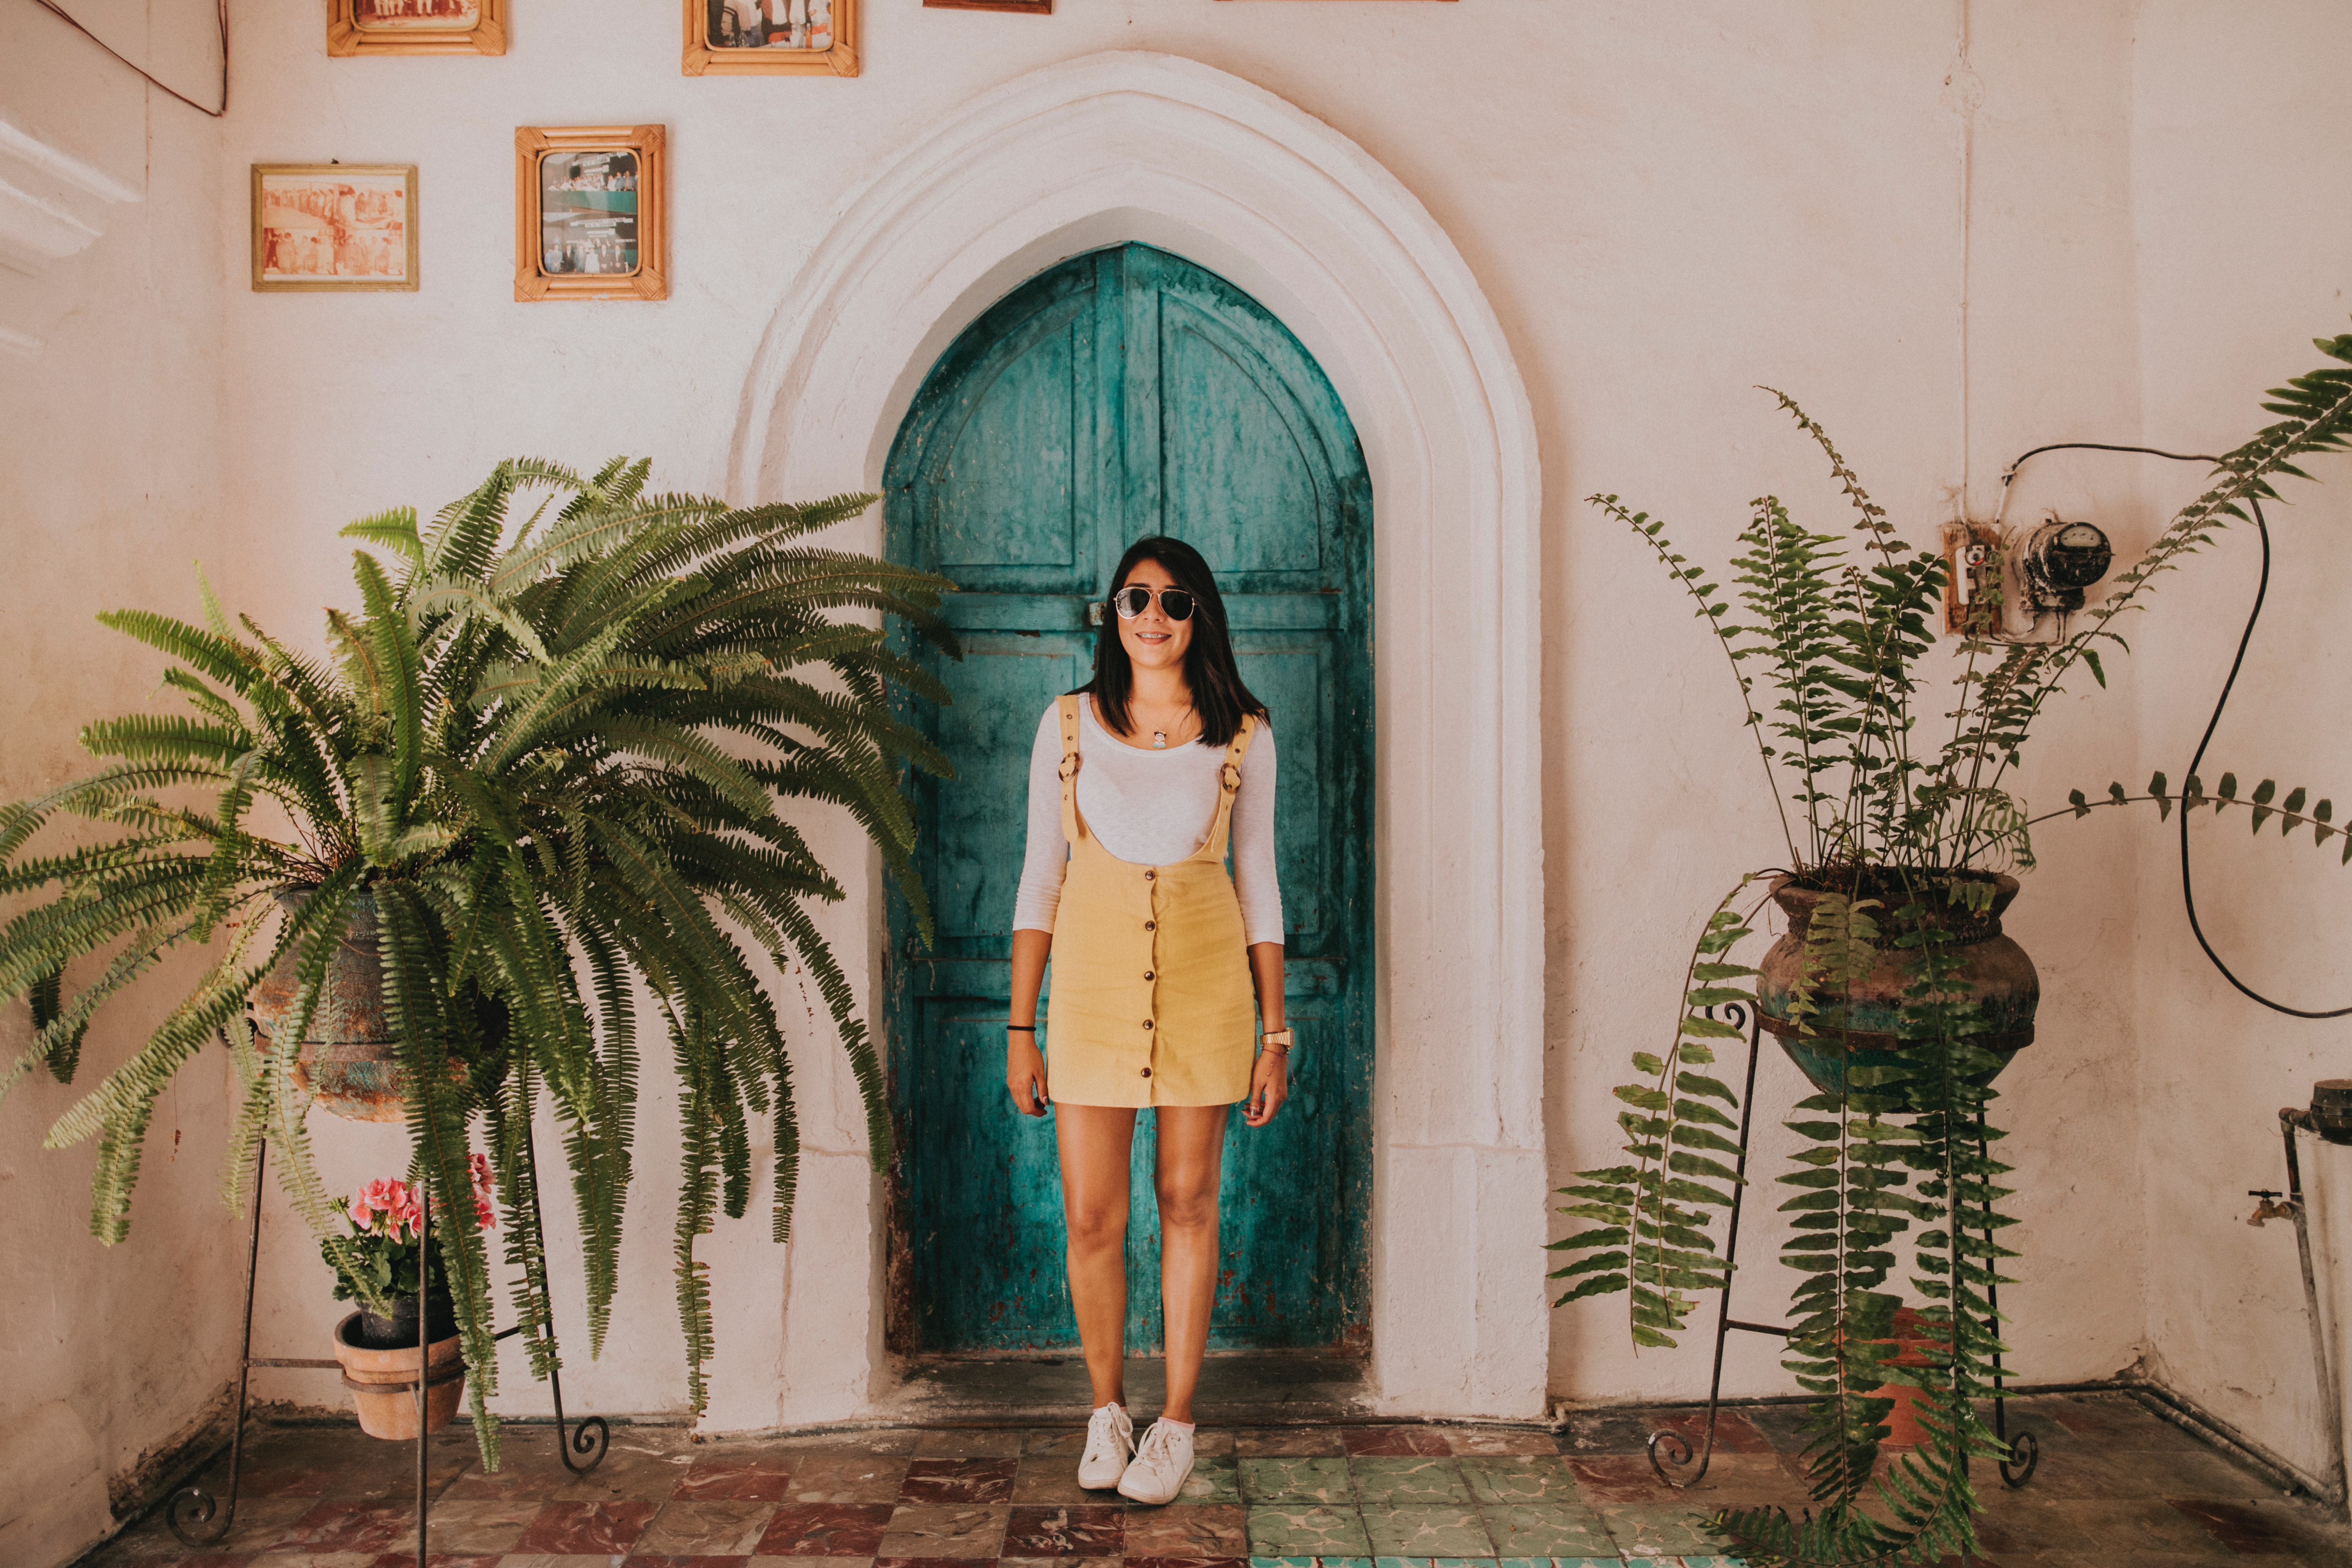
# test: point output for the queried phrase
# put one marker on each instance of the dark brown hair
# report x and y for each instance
(1218, 695)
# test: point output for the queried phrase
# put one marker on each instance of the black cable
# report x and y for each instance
(2262, 590)
(222, 8)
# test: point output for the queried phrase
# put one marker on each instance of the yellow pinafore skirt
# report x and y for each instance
(1152, 1003)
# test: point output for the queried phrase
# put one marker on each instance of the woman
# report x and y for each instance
(1137, 782)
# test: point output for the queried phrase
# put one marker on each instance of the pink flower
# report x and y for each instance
(485, 1216)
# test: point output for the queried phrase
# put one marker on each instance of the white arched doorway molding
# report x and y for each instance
(1133, 146)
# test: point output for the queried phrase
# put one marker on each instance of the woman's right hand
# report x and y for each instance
(1024, 1075)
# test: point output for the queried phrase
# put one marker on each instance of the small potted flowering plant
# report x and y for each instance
(387, 1260)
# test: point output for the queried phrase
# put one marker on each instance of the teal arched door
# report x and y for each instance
(1126, 392)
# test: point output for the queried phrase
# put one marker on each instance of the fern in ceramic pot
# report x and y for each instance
(1893, 987)
(547, 764)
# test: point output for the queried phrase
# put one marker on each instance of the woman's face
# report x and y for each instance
(1153, 641)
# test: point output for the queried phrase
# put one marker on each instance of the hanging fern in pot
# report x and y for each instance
(1893, 988)
(547, 764)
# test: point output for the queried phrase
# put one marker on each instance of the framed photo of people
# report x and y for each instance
(333, 228)
(771, 37)
(589, 212)
(417, 27)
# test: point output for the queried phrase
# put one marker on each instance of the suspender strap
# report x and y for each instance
(1229, 776)
(1229, 781)
(1068, 708)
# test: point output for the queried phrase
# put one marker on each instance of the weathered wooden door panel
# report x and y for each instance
(1124, 393)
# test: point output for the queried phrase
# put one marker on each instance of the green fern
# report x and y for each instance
(554, 744)
(1836, 627)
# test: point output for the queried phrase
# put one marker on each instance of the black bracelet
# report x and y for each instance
(1024, 1028)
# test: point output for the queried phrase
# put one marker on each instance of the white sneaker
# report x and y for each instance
(1163, 1460)
(1110, 1438)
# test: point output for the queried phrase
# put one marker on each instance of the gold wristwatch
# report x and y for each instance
(1277, 1040)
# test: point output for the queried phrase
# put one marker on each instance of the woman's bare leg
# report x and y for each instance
(1191, 1152)
(1095, 1142)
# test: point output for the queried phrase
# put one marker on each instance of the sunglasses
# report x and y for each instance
(1176, 603)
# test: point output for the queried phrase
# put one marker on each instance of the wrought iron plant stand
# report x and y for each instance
(1670, 1451)
(193, 1510)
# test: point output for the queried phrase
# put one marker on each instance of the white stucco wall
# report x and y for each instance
(1951, 232)
(110, 487)
(2239, 268)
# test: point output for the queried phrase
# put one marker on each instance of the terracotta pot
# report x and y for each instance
(1995, 974)
(1913, 1337)
(384, 1384)
(350, 1055)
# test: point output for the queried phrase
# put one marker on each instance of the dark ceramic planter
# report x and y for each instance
(1995, 974)
(350, 1055)
(399, 1331)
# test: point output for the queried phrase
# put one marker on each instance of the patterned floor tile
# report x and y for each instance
(846, 1477)
(706, 1529)
(935, 1563)
(946, 1530)
(347, 1527)
(1187, 1562)
(760, 1562)
(387, 1472)
(1299, 1481)
(1303, 1530)
(1619, 1477)
(969, 1443)
(1086, 1532)
(1493, 1440)
(1394, 1441)
(2269, 1527)
(1418, 1480)
(1213, 1530)
(1426, 1532)
(1517, 1478)
(1546, 1530)
(1290, 1442)
(632, 1469)
(260, 1521)
(581, 1527)
(470, 1528)
(1054, 1477)
(1733, 1432)
(1069, 1440)
(825, 1530)
(968, 1481)
(1658, 1530)
(728, 1478)
(1213, 1479)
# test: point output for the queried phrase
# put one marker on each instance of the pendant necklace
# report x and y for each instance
(1160, 737)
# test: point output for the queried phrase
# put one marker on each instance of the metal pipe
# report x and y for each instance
(423, 1353)
(2331, 1398)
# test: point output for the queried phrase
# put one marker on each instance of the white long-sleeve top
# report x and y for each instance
(1148, 808)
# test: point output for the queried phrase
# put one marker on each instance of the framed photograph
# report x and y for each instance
(1030, 7)
(417, 27)
(771, 37)
(333, 228)
(589, 212)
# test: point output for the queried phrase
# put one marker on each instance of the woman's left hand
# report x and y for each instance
(1269, 1086)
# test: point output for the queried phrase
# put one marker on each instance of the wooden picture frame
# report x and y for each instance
(833, 21)
(606, 237)
(1025, 8)
(414, 27)
(335, 228)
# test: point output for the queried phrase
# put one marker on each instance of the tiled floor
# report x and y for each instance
(2116, 1486)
